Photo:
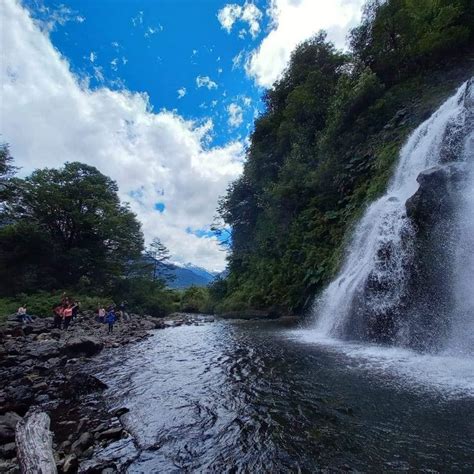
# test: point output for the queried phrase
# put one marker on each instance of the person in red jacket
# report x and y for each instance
(67, 315)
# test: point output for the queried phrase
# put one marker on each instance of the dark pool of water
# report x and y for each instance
(244, 397)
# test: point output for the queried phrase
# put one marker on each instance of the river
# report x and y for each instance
(260, 397)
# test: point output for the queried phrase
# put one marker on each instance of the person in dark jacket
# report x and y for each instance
(58, 315)
(110, 319)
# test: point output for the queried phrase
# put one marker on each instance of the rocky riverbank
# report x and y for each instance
(45, 367)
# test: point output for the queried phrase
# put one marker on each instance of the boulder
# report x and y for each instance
(44, 350)
(8, 424)
(83, 346)
(81, 384)
(435, 196)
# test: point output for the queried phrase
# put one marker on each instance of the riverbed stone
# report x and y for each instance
(8, 451)
(70, 464)
(83, 345)
(111, 434)
(85, 440)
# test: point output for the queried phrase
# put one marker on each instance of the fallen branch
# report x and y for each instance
(34, 442)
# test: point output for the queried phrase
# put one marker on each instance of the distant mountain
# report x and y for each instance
(189, 275)
(181, 276)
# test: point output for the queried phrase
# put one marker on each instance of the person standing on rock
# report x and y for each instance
(67, 316)
(58, 315)
(75, 309)
(101, 315)
(110, 319)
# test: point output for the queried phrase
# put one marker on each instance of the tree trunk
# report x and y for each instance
(34, 444)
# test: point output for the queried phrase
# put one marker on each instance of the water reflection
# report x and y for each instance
(230, 397)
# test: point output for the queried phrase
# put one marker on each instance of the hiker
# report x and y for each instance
(110, 319)
(75, 309)
(23, 316)
(67, 316)
(101, 315)
(58, 316)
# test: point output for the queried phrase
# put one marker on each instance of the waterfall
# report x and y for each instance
(408, 278)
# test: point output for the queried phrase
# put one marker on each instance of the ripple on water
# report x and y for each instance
(259, 398)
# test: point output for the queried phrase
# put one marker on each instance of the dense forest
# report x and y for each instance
(66, 230)
(325, 146)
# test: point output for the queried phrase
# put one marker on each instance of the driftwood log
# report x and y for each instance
(34, 443)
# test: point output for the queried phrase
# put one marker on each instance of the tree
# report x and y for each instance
(86, 232)
(7, 171)
(159, 257)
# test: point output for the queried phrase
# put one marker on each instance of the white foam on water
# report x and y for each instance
(448, 376)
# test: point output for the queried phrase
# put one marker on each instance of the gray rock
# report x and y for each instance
(436, 194)
(8, 451)
(83, 345)
(8, 424)
(85, 440)
(70, 464)
(44, 349)
(112, 433)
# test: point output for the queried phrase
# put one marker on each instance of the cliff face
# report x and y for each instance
(326, 147)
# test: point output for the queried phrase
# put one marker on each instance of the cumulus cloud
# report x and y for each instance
(50, 117)
(205, 81)
(181, 92)
(294, 21)
(236, 116)
(248, 13)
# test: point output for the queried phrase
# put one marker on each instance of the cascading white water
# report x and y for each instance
(382, 247)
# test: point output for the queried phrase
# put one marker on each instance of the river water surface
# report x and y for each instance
(254, 397)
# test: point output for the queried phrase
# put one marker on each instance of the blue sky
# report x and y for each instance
(159, 95)
(162, 47)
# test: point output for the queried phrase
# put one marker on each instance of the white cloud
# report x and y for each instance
(247, 101)
(50, 17)
(50, 116)
(238, 60)
(233, 13)
(228, 15)
(293, 22)
(137, 20)
(114, 64)
(150, 31)
(205, 81)
(181, 92)
(235, 115)
(92, 57)
(252, 15)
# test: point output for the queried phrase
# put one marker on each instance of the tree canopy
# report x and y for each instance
(326, 144)
(64, 226)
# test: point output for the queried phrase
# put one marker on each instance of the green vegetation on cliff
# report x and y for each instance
(326, 144)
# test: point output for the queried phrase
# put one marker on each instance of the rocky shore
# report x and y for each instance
(45, 368)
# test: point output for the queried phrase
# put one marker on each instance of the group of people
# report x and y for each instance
(66, 311)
